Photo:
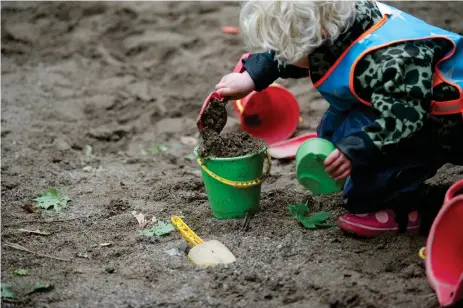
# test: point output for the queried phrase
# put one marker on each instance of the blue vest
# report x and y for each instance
(396, 26)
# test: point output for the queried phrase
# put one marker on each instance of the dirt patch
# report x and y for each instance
(232, 144)
(229, 145)
(96, 97)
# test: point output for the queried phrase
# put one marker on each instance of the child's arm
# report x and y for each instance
(264, 69)
(261, 70)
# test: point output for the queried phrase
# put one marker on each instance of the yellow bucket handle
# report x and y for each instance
(238, 184)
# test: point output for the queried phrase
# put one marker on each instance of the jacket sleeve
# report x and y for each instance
(264, 69)
(401, 96)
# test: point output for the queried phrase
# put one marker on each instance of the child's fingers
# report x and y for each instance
(335, 165)
(332, 157)
(220, 85)
(344, 175)
(226, 92)
(341, 170)
(221, 91)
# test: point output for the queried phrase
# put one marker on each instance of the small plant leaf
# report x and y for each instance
(315, 221)
(161, 228)
(298, 210)
(308, 224)
(161, 148)
(52, 200)
(20, 272)
(6, 292)
(319, 217)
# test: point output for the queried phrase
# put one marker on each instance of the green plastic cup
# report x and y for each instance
(310, 168)
(233, 185)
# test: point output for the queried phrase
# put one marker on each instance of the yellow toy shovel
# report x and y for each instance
(204, 254)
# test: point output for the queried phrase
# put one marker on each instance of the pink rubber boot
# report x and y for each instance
(374, 224)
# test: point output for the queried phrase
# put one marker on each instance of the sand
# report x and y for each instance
(96, 98)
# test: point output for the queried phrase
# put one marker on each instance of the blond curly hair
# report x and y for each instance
(294, 28)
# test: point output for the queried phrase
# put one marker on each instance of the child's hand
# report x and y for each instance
(235, 85)
(338, 165)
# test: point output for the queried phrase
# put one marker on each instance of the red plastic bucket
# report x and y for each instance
(444, 249)
(453, 191)
(271, 115)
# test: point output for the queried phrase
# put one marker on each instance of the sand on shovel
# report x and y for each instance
(212, 144)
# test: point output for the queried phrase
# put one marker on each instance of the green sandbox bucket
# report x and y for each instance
(233, 185)
(310, 167)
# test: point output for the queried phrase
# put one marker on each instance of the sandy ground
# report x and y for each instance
(121, 78)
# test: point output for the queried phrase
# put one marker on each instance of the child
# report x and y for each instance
(394, 85)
